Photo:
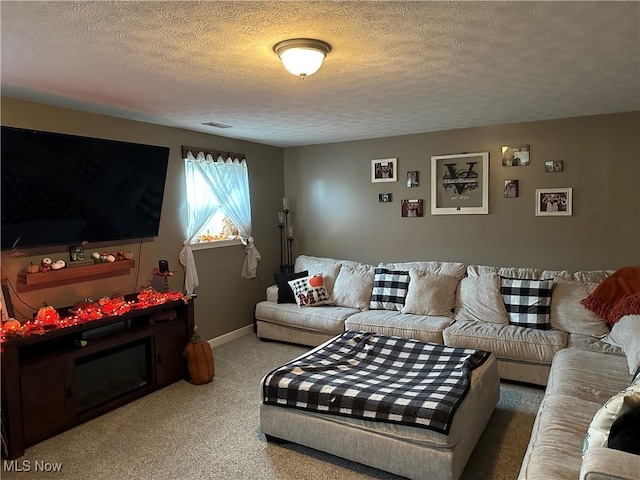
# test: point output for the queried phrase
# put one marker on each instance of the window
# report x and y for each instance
(218, 208)
(209, 222)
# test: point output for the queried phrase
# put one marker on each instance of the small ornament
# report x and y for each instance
(45, 264)
(47, 316)
(111, 258)
(128, 256)
(11, 326)
(33, 268)
(58, 264)
(95, 256)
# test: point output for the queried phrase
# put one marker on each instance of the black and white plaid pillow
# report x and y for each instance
(528, 302)
(389, 289)
(310, 291)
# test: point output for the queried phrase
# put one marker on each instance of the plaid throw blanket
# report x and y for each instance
(376, 377)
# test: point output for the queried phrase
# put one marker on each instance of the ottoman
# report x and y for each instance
(407, 450)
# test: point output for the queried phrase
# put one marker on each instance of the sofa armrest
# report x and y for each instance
(272, 293)
(601, 463)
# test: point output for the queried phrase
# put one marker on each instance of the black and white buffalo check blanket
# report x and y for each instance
(376, 377)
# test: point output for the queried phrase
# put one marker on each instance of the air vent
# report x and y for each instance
(216, 125)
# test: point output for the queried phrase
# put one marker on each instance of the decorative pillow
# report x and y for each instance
(528, 302)
(479, 299)
(285, 294)
(310, 291)
(569, 315)
(389, 289)
(353, 286)
(625, 334)
(327, 267)
(625, 432)
(600, 427)
(430, 294)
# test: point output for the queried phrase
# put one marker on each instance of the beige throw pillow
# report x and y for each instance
(568, 314)
(479, 299)
(625, 334)
(430, 294)
(353, 286)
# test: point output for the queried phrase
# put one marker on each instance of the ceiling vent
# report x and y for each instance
(216, 125)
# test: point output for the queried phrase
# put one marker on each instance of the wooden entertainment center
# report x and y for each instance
(66, 376)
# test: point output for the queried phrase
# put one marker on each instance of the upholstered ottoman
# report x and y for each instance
(414, 450)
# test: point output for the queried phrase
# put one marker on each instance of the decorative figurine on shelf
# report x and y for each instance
(58, 264)
(45, 264)
(33, 268)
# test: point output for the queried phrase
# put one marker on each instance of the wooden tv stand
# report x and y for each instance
(55, 381)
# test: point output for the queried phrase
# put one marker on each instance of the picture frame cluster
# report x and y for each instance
(460, 183)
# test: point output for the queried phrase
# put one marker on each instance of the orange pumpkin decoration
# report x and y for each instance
(11, 326)
(199, 360)
(33, 268)
(47, 316)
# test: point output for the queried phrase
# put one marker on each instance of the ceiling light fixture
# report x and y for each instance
(302, 56)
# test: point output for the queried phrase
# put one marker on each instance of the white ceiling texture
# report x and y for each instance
(395, 68)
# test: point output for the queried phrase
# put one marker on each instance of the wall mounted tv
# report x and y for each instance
(62, 189)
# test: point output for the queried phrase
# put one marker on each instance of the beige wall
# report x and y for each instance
(225, 301)
(336, 210)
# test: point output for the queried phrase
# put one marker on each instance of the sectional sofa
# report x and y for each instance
(476, 306)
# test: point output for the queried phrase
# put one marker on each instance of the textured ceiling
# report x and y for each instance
(395, 68)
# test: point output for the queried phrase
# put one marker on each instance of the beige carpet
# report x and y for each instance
(212, 432)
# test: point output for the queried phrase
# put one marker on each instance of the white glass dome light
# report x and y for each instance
(302, 56)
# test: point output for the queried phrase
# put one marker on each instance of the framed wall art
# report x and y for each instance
(412, 208)
(515, 155)
(385, 197)
(554, 201)
(553, 166)
(511, 188)
(384, 170)
(460, 184)
(413, 178)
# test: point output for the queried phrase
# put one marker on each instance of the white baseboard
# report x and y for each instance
(227, 337)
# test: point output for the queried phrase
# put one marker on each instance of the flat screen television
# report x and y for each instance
(62, 189)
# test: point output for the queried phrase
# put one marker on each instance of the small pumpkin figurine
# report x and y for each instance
(199, 360)
(33, 268)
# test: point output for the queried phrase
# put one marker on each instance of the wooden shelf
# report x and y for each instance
(54, 278)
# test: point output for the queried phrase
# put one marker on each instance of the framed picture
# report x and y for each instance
(515, 155)
(554, 201)
(384, 170)
(385, 197)
(553, 166)
(412, 208)
(76, 253)
(460, 184)
(412, 179)
(511, 188)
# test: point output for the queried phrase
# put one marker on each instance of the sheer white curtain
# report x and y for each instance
(228, 180)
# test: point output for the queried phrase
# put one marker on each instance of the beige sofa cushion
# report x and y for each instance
(353, 286)
(328, 267)
(592, 275)
(445, 268)
(568, 314)
(430, 294)
(325, 318)
(388, 322)
(478, 298)
(521, 273)
(507, 341)
(626, 335)
(593, 344)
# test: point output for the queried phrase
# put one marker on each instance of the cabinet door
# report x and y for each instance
(46, 400)
(169, 349)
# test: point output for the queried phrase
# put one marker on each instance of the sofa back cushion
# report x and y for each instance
(625, 334)
(455, 269)
(389, 289)
(328, 267)
(353, 286)
(430, 294)
(478, 299)
(507, 272)
(568, 314)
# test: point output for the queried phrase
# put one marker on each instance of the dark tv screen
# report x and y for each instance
(62, 189)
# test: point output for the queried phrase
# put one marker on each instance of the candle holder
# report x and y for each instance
(286, 238)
